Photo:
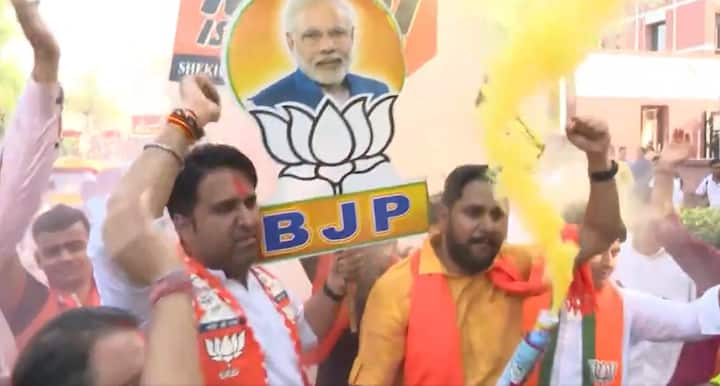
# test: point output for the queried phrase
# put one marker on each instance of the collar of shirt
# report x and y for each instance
(312, 90)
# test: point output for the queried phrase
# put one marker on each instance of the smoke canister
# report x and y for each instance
(529, 351)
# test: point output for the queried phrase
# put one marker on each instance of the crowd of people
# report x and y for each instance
(156, 281)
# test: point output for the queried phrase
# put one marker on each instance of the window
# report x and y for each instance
(657, 36)
(653, 126)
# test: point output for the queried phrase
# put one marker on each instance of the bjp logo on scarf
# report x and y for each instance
(602, 372)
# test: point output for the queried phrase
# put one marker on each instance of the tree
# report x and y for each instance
(98, 109)
(11, 78)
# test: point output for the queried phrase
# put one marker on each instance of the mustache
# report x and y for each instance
(487, 239)
(330, 59)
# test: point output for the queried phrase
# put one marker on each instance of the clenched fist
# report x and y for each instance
(198, 93)
(589, 135)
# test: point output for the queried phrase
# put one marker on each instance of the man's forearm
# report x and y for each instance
(153, 173)
(602, 216)
(173, 357)
(662, 192)
(148, 181)
(320, 312)
(45, 48)
(699, 259)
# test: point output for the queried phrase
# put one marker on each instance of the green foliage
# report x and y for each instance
(703, 223)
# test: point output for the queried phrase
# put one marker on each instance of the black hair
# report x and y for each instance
(459, 178)
(58, 218)
(59, 354)
(199, 162)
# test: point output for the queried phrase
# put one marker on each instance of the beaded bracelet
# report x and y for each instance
(186, 120)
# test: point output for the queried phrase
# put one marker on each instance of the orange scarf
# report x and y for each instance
(229, 353)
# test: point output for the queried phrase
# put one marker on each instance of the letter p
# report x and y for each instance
(387, 208)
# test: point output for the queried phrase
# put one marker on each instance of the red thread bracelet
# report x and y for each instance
(177, 281)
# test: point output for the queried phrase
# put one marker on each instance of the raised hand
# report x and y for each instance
(589, 135)
(45, 47)
(198, 93)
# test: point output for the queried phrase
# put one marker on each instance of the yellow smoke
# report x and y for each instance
(547, 41)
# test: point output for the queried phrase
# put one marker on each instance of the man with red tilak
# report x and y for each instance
(251, 330)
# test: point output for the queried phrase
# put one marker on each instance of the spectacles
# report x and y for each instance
(315, 36)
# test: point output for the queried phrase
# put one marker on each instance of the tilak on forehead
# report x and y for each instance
(241, 187)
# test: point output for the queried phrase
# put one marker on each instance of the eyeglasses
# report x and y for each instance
(315, 36)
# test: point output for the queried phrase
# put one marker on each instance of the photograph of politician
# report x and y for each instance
(320, 78)
(303, 52)
(320, 35)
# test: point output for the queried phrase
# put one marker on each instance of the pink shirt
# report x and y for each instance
(28, 152)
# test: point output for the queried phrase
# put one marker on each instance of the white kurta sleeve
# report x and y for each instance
(114, 287)
(659, 320)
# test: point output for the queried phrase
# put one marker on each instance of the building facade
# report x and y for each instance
(657, 71)
(673, 26)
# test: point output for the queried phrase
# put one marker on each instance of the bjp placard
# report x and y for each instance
(321, 78)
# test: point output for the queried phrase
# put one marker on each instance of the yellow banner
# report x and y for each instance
(326, 224)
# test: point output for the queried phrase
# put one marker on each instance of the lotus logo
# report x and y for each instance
(602, 372)
(330, 144)
(227, 348)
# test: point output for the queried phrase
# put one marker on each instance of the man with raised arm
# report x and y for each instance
(250, 329)
(451, 313)
(28, 152)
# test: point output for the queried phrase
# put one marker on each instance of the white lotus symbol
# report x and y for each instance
(328, 144)
(227, 348)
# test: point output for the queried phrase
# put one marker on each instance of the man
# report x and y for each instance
(624, 178)
(622, 154)
(61, 236)
(709, 188)
(26, 158)
(700, 261)
(103, 346)
(250, 329)
(320, 35)
(335, 354)
(450, 314)
(595, 347)
(642, 171)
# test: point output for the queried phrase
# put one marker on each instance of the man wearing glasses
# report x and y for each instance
(320, 36)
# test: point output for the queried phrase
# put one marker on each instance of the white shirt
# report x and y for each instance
(653, 363)
(267, 324)
(645, 318)
(710, 188)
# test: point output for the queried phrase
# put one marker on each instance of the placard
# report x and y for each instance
(311, 227)
(321, 78)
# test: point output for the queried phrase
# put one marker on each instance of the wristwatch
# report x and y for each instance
(605, 175)
(331, 294)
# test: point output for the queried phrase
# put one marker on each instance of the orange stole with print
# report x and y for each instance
(229, 353)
